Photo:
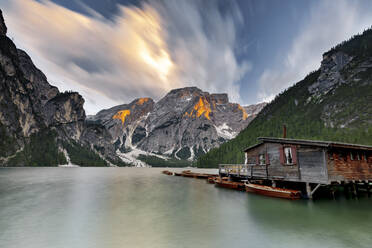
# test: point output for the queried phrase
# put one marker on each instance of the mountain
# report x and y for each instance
(332, 103)
(40, 126)
(181, 126)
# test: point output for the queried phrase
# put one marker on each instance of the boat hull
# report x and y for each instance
(229, 185)
(273, 192)
(211, 180)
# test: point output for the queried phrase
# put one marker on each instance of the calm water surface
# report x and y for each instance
(134, 207)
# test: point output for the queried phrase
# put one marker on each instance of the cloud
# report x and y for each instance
(330, 23)
(144, 51)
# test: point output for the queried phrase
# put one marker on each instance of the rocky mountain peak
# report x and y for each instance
(330, 72)
(184, 124)
(185, 91)
(220, 98)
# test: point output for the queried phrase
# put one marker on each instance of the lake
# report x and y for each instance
(140, 207)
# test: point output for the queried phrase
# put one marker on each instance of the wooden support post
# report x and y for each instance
(273, 183)
(308, 191)
(333, 193)
(368, 189)
(332, 189)
(346, 190)
(317, 187)
(354, 190)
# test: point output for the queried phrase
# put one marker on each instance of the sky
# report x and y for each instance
(113, 51)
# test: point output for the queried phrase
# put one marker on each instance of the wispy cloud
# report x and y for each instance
(330, 23)
(143, 52)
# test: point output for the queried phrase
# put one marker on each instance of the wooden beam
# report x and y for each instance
(308, 191)
(354, 190)
(316, 187)
(368, 189)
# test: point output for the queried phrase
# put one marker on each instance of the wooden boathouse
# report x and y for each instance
(304, 163)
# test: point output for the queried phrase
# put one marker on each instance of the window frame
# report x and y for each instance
(286, 159)
(262, 157)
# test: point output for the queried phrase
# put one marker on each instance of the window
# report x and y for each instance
(288, 155)
(262, 159)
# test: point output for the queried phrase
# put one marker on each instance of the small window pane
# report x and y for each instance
(288, 155)
(262, 159)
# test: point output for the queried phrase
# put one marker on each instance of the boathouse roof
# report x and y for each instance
(328, 144)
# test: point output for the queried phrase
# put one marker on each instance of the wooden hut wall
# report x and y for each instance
(342, 165)
(312, 162)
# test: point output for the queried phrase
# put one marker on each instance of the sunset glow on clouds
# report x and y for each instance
(141, 52)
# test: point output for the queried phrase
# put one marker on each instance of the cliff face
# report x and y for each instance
(340, 71)
(29, 105)
(29, 102)
(184, 124)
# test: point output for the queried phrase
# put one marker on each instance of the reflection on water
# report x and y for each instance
(129, 207)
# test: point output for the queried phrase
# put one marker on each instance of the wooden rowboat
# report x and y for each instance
(201, 176)
(229, 184)
(178, 174)
(169, 173)
(273, 191)
(188, 174)
(211, 179)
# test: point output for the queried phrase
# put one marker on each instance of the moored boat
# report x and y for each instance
(273, 191)
(202, 176)
(229, 184)
(188, 174)
(211, 179)
(166, 172)
(177, 174)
